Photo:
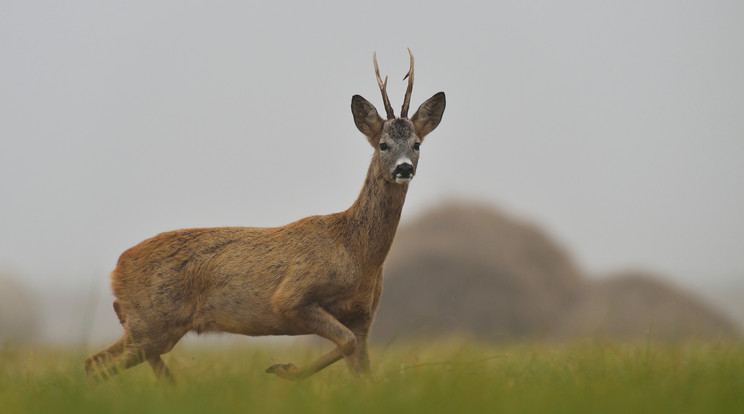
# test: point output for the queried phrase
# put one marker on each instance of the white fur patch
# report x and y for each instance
(401, 180)
(404, 160)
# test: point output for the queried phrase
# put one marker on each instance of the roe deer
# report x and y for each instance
(320, 275)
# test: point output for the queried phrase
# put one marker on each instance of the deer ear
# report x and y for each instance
(429, 114)
(366, 118)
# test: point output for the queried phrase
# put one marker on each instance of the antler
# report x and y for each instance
(383, 89)
(407, 99)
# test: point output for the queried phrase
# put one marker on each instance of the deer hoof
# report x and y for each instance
(286, 371)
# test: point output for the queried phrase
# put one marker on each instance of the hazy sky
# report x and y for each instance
(618, 127)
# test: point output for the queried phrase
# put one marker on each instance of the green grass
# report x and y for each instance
(426, 377)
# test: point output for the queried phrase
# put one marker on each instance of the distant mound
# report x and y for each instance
(18, 313)
(470, 269)
(631, 304)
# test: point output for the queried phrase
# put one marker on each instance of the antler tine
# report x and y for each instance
(407, 99)
(383, 89)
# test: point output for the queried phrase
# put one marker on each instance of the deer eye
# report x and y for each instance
(383, 146)
(416, 145)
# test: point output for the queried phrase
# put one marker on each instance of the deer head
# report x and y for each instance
(397, 139)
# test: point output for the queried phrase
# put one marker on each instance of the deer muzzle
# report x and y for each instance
(403, 173)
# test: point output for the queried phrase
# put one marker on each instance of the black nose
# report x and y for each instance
(404, 170)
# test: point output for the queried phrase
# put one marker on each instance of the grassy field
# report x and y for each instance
(425, 377)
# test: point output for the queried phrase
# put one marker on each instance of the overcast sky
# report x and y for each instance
(617, 127)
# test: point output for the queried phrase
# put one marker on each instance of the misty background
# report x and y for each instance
(617, 128)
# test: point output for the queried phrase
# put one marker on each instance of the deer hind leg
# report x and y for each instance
(317, 320)
(141, 342)
(101, 363)
(151, 341)
(160, 369)
(124, 353)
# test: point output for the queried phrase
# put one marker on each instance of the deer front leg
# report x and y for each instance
(313, 318)
(292, 372)
(358, 360)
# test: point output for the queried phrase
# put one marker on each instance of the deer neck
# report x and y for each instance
(371, 222)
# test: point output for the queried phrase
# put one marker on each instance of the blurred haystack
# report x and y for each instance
(19, 316)
(630, 304)
(472, 270)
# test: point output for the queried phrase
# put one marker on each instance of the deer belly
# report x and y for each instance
(254, 319)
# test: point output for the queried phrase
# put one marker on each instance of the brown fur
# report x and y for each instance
(320, 275)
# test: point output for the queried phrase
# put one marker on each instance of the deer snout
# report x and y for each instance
(403, 173)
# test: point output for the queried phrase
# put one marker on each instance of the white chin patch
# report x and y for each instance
(401, 180)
